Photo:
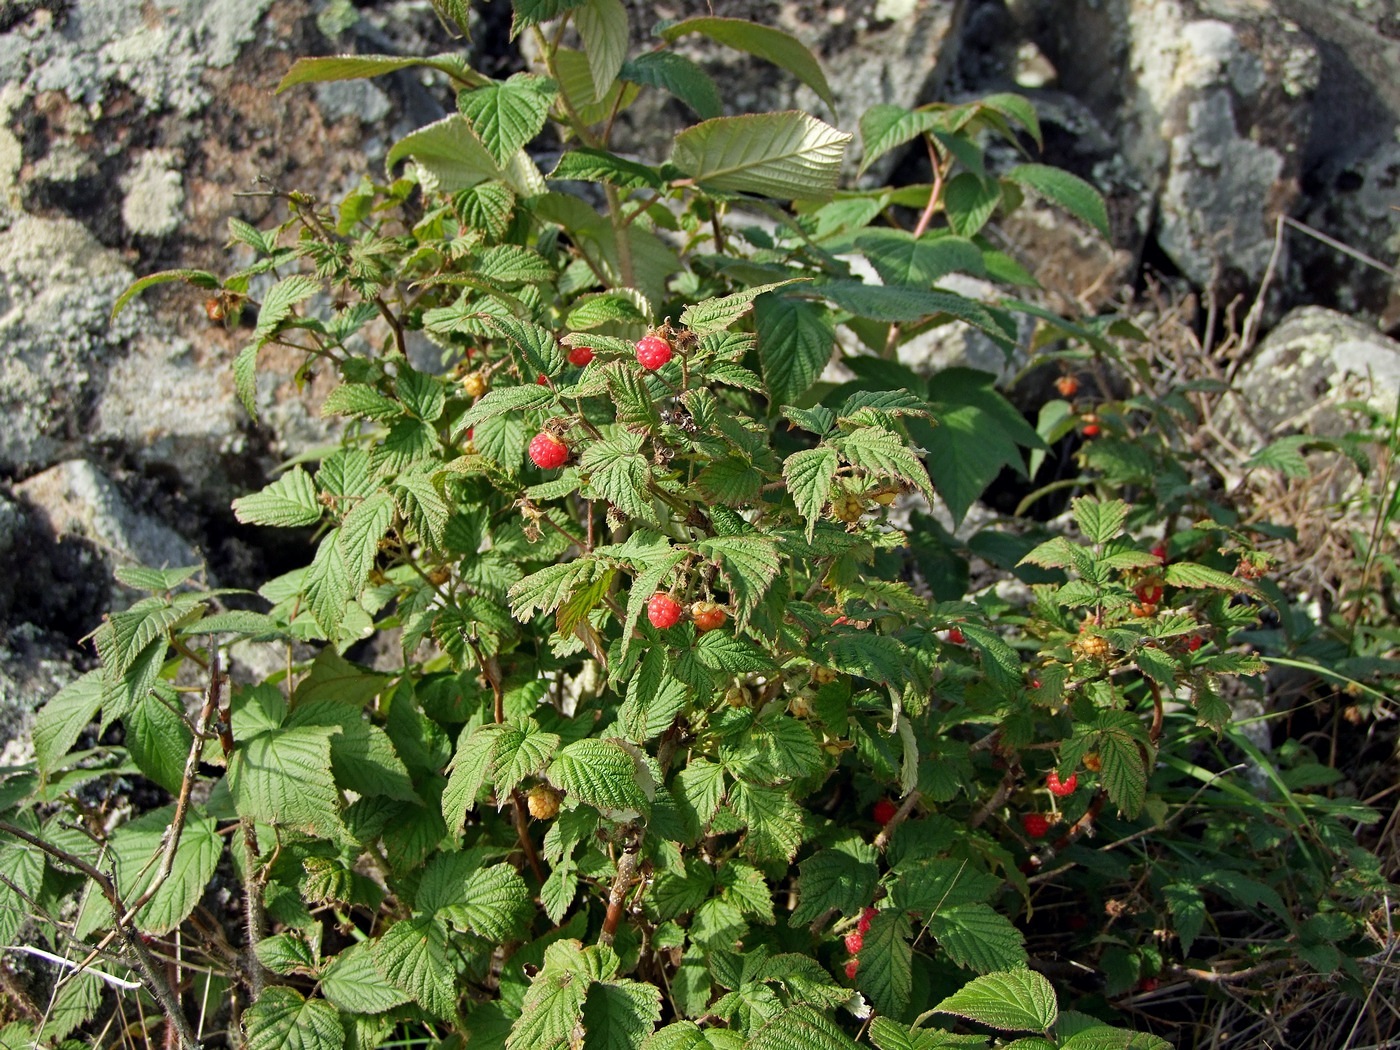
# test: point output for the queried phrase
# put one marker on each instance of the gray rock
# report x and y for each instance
(33, 667)
(1314, 362)
(77, 501)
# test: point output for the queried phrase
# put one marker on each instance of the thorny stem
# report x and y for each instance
(252, 907)
(622, 882)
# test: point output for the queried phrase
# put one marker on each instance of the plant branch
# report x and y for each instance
(622, 882)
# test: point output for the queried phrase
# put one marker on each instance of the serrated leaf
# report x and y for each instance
(1124, 776)
(1189, 574)
(490, 903)
(352, 67)
(602, 25)
(765, 42)
(879, 452)
(618, 472)
(451, 151)
(884, 127)
(359, 537)
(158, 738)
(549, 1012)
(800, 1028)
(718, 313)
(1100, 520)
(281, 298)
(354, 984)
(362, 400)
(198, 278)
(288, 502)
(977, 936)
(620, 1015)
(601, 774)
(781, 155)
(969, 202)
(521, 749)
(507, 115)
(596, 165)
(62, 720)
(773, 821)
(699, 789)
(196, 858)
(833, 880)
(363, 758)
(1013, 1001)
(467, 773)
(285, 953)
(1068, 191)
(502, 400)
(1188, 911)
(280, 1019)
(283, 777)
(412, 956)
(748, 565)
(901, 258)
(886, 962)
(327, 584)
(795, 342)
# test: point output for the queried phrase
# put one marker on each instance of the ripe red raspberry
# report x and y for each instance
(548, 451)
(1195, 642)
(1036, 824)
(707, 616)
(1148, 984)
(653, 352)
(663, 611)
(1149, 592)
(867, 916)
(855, 940)
(956, 636)
(1160, 553)
(1068, 386)
(851, 970)
(580, 355)
(542, 380)
(1061, 788)
(883, 811)
(1091, 430)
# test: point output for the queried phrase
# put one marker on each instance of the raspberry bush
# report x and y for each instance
(696, 732)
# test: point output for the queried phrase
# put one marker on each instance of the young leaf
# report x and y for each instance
(62, 720)
(881, 453)
(601, 774)
(596, 165)
(281, 298)
(1068, 191)
(451, 151)
(1101, 521)
(360, 67)
(781, 155)
(507, 115)
(1013, 1001)
(717, 314)
(289, 501)
(773, 45)
(679, 76)
(412, 956)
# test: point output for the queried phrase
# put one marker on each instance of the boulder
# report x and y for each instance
(34, 665)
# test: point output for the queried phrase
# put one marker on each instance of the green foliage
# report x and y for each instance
(556, 824)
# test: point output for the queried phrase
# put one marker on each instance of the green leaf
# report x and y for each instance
(354, 67)
(885, 127)
(773, 819)
(327, 584)
(969, 202)
(521, 750)
(549, 1013)
(412, 956)
(280, 1019)
(196, 858)
(678, 75)
(281, 298)
(1124, 776)
(1014, 1001)
(289, 501)
(533, 12)
(620, 1015)
(833, 880)
(978, 937)
(360, 533)
(781, 155)
(617, 471)
(699, 789)
(1068, 191)
(1188, 911)
(800, 1028)
(602, 25)
(285, 953)
(879, 452)
(502, 400)
(1102, 1037)
(809, 475)
(159, 740)
(490, 902)
(772, 45)
(198, 278)
(467, 773)
(1189, 574)
(601, 774)
(596, 165)
(506, 115)
(717, 314)
(354, 984)
(283, 777)
(886, 962)
(363, 758)
(795, 342)
(901, 258)
(594, 311)
(748, 565)
(451, 151)
(62, 720)
(1100, 521)
(362, 400)
(723, 652)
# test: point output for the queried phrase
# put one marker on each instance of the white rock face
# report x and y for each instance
(155, 193)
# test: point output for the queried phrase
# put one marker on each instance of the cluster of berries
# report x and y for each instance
(664, 611)
(547, 450)
(855, 940)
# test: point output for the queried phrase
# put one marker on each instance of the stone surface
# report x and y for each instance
(34, 666)
(75, 501)
(1311, 364)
